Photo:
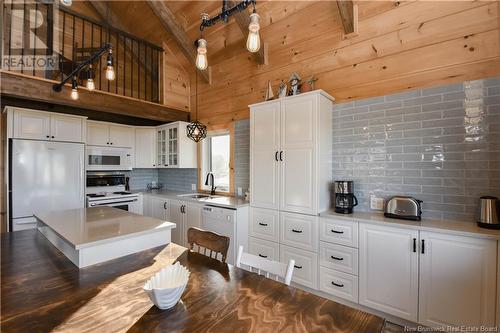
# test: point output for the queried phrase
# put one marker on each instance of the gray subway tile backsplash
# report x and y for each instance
(439, 144)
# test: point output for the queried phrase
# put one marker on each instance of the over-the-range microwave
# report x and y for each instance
(108, 158)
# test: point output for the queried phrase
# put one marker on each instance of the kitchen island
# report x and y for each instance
(88, 236)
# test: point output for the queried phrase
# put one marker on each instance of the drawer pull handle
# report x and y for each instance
(298, 267)
(337, 232)
(297, 231)
(262, 256)
(263, 224)
(337, 258)
(337, 284)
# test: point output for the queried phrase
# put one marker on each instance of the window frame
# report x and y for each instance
(203, 161)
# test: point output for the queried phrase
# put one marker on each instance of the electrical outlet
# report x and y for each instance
(240, 191)
(193, 187)
(376, 203)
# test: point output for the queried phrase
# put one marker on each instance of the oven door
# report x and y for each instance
(104, 159)
(132, 205)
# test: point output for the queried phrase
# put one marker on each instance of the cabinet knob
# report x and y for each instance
(53, 137)
(297, 231)
(336, 231)
(262, 256)
(48, 136)
(337, 284)
(298, 267)
(337, 258)
(111, 143)
(263, 224)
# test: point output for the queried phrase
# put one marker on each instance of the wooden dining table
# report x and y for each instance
(42, 291)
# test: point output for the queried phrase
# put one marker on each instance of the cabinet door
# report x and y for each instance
(298, 166)
(145, 148)
(388, 270)
(31, 125)
(264, 155)
(147, 206)
(159, 207)
(192, 216)
(177, 217)
(161, 148)
(64, 128)
(97, 134)
(173, 146)
(457, 280)
(121, 136)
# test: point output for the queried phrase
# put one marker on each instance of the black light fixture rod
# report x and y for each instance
(226, 12)
(58, 86)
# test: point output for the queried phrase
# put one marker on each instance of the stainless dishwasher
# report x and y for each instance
(222, 221)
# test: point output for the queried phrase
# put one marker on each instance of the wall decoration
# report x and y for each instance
(294, 82)
(308, 85)
(282, 89)
(269, 92)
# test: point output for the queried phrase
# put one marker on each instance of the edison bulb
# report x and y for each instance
(253, 42)
(201, 57)
(90, 84)
(74, 94)
(110, 73)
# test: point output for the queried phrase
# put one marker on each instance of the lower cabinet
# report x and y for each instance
(185, 215)
(264, 249)
(388, 270)
(305, 271)
(338, 284)
(457, 280)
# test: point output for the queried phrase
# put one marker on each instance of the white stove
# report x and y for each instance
(108, 189)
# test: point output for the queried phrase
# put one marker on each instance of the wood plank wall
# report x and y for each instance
(400, 46)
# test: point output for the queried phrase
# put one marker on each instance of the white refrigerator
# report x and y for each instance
(44, 176)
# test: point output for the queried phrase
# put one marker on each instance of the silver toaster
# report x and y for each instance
(401, 207)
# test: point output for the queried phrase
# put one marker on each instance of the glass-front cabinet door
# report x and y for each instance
(173, 139)
(162, 147)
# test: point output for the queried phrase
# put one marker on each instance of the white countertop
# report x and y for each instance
(218, 200)
(450, 227)
(85, 227)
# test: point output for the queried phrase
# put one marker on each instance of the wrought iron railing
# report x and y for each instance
(65, 39)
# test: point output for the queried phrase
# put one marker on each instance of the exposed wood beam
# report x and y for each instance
(169, 22)
(38, 89)
(349, 15)
(243, 20)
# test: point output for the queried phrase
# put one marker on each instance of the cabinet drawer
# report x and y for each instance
(306, 265)
(338, 284)
(338, 257)
(339, 232)
(264, 224)
(264, 249)
(299, 231)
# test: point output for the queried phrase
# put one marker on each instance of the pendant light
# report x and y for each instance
(74, 89)
(90, 79)
(110, 71)
(201, 56)
(253, 40)
(196, 131)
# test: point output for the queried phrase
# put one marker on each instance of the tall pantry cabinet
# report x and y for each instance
(290, 175)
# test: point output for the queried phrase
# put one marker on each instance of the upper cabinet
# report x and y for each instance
(39, 125)
(145, 148)
(290, 143)
(174, 149)
(110, 135)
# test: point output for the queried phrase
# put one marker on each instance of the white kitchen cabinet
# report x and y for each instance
(264, 249)
(145, 148)
(67, 128)
(185, 215)
(305, 271)
(265, 147)
(388, 270)
(457, 280)
(264, 224)
(40, 125)
(299, 230)
(160, 208)
(173, 148)
(110, 135)
(290, 148)
(97, 133)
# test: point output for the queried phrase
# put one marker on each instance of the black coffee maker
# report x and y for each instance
(345, 199)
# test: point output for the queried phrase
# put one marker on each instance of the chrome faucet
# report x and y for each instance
(210, 176)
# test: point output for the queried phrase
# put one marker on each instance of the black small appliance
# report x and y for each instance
(345, 199)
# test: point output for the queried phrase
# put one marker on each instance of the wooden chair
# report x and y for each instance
(267, 267)
(208, 240)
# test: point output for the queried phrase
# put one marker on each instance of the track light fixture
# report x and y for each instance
(253, 39)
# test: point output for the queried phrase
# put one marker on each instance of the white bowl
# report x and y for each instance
(166, 287)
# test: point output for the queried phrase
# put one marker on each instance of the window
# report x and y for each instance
(216, 159)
